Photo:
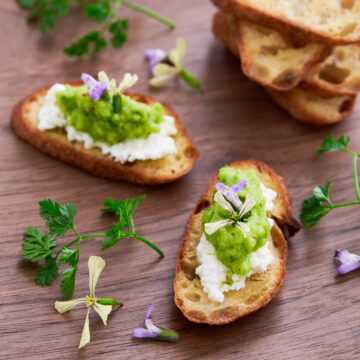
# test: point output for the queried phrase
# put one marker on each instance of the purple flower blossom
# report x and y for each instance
(155, 56)
(348, 261)
(231, 193)
(96, 88)
(147, 329)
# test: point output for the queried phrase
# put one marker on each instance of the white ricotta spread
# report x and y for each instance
(212, 272)
(155, 146)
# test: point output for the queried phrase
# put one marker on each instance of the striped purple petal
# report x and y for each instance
(155, 56)
(231, 193)
(348, 261)
(96, 88)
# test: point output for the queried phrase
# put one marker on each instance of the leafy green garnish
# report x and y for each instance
(105, 12)
(316, 207)
(91, 43)
(40, 246)
(331, 145)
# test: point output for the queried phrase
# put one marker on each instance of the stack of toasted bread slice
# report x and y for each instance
(306, 54)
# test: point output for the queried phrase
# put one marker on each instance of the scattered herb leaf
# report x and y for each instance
(316, 207)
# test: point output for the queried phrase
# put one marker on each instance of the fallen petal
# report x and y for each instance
(103, 311)
(85, 336)
(143, 333)
(348, 261)
(96, 265)
(64, 306)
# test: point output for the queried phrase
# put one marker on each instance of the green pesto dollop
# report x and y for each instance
(233, 249)
(100, 120)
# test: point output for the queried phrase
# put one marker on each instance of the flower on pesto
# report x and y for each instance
(348, 261)
(96, 88)
(102, 306)
(148, 330)
(127, 82)
(166, 66)
(231, 193)
(236, 209)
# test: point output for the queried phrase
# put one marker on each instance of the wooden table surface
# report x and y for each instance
(314, 316)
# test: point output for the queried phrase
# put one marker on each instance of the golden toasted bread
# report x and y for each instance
(55, 143)
(267, 57)
(311, 108)
(338, 74)
(331, 22)
(260, 288)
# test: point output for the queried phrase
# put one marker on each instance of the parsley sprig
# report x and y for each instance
(105, 12)
(316, 207)
(41, 246)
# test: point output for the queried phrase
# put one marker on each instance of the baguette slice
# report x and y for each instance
(310, 108)
(260, 288)
(331, 22)
(338, 74)
(55, 143)
(267, 56)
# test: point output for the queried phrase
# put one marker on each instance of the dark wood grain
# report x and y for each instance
(315, 315)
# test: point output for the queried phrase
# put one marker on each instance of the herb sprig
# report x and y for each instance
(105, 12)
(316, 207)
(41, 246)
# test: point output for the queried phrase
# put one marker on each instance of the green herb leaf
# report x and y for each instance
(37, 245)
(330, 144)
(59, 218)
(92, 43)
(69, 256)
(26, 3)
(313, 211)
(46, 274)
(98, 11)
(68, 282)
(322, 192)
(123, 208)
(118, 29)
(114, 235)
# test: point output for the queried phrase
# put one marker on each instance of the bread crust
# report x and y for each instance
(232, 32)
(301, 32)
(310, 108)
(55, 143)
(189, 295)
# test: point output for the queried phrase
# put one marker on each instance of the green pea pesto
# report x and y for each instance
(232, 248)
(102, 122)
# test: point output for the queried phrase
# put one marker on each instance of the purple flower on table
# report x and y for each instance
(348, 261)
(147, 329)
(155, 56)
(231, 193)
(96, 88)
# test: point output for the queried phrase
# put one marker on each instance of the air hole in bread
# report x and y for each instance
(172, 171)
(286, 78)
(196, 315)
(225, 312)
(189, 270)
(185, 284)
(192, 258)
(334, 74)
(178, 157)
(263, 31)
(347, 4)
(192, 296)
(202, 205)
(345, 106)
(348, 29)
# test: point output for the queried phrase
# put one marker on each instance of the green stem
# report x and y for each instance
(148, 243)
(191, 80)
(148, 12)
(356, 179)
(343, 205)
